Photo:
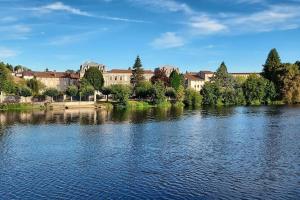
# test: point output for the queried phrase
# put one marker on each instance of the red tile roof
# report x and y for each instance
(52, 75)
(192, 76)
(128, 71)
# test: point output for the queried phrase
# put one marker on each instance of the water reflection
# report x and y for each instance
(89, 116)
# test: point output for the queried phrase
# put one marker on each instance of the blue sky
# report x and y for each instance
(191, 34)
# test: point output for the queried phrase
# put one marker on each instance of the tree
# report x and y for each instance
(272, 65)
(258, 90)
(6, 80)
(298, 64)
(94, 77)
(222, 78)
(144, 89)
(24, 92)
(137, 72)
(291, 83)
(121, 94)
(192, 98)
(180, 94)
(176, 79)
(159, 92)
(72, 91)
(35, 85)
(160, 75)
(51, 92)
(211, 93)
(106, 91)
(170, 92)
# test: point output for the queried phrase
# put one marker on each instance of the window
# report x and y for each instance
(120, 78)
(110, 78)
(116, 78)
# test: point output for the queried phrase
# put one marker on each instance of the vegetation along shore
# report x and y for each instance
(278, 83)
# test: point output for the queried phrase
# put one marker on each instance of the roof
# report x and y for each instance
(207, 72)
(192, 76)
(244, 73)
(127, 71)
(52, 75)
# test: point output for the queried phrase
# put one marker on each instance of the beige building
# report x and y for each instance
(194, 81)
(122, 76)
(58, 80)
(168, 69)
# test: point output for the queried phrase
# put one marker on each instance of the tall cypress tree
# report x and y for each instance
(176, 80)
(272, 66)
(137, 72)
(222, 77)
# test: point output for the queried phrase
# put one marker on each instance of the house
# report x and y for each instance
(194, 81)
(168, 69)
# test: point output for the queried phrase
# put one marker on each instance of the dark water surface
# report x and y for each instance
(228, 153)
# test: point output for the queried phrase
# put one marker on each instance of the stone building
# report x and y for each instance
(122, 76)
(168, 69)
(58, 80)
(85, 66)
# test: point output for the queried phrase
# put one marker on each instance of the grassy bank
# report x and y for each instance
(21, 106)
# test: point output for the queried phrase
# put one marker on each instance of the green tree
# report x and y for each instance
(222, 78)
(24, 92)
(170, 92)
(258, 90)
(272, 65)
(159, 92)
(290, 81)
(176, 79)
(35, 85)
(7, 84)
(51, 92)
(211, 93)
(72, 91)
(106, 91)
(137, 72)
(144, 89)
(94, 77)
(192, 98)
(180, 94)
(121, 93)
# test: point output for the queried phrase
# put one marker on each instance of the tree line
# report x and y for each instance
(278, 83)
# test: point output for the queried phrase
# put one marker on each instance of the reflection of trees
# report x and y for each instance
(89, 116)
(223, 111)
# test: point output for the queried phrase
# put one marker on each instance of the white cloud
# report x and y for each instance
(169, 5)
(7, 53)
(59, 6)
(204, 25)
(168, 40)
(17, 31)
(278, 17)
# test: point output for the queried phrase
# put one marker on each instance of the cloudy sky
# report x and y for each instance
(192, 34)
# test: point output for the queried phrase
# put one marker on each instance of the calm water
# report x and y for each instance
(229, 153)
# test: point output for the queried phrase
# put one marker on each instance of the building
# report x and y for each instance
(122, 76)
(243, 74)
(58, 80)
(168, 69)
(85, 66)
(194, 81)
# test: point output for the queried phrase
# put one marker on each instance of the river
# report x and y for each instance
(209, 153)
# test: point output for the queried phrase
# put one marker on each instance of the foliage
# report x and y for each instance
(210, 92)
(176, 79)
(144, 90)
(258, 90)
(159, 92)
(94, 77)
(271, 66)
(121, 94)
(170, 92)
(51, 92)
(35, 85)
(291, 84)
(24, 91)
(106, 91)
(180, 94)
(192, 98)
(6, 80)
(138, 105)
(86, 90)
(160, 75)
(72, 90)
(137, 72)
